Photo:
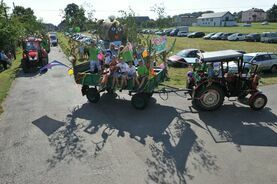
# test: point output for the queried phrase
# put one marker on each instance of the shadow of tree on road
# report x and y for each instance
(67, 144)
(173, 138)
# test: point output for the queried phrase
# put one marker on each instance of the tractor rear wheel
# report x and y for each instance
(209, 98)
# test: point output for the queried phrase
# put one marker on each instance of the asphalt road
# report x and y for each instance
(49, 133)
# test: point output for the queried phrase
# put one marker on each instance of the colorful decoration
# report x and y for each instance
(77, 29)
(52, 64)
(159, 44)
(145, 53)
(70, 72)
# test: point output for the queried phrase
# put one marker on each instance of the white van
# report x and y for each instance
(53, 39)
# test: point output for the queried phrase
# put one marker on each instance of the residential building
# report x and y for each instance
(253, 15)
(223, 19)
(184, 20)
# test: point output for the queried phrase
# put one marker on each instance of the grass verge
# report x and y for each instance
(63, 42)
(6, 79)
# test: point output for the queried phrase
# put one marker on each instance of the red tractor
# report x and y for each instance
(34, 55)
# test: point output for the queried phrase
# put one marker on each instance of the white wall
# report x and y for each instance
(226, 20)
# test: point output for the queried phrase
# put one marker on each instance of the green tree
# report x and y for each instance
(75, 16)
(15, 26)
(272, 14)
(27, 19)
(160, 11)
(10, 28)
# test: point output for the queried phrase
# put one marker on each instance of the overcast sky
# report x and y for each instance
(49, 10)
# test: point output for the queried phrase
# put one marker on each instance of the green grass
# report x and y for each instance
(63, 42)
(255, 28)
(6, 79)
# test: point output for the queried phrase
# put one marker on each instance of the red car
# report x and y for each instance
(184, 58)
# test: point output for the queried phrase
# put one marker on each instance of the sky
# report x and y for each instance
(50, 10)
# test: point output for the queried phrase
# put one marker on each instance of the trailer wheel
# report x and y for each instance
(139, 100)
(258, 101)
(149, 95)
(209, 98)
(110, 91)
(93, 95)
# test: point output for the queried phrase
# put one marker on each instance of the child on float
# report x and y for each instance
(106, 74)
(113, 70)
(132, 74)
(122, 73)
(143, 73)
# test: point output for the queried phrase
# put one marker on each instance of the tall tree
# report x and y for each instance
(160, 11)
(75, 16)
(272, 13)
(27, 18)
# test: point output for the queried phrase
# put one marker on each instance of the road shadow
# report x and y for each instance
(172, 135)
(241, 125)
(21, 74)
(48, 125)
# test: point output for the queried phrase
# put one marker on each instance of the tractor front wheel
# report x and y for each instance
(258, 101)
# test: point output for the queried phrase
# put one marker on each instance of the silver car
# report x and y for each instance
(270, 37)
(265, 61)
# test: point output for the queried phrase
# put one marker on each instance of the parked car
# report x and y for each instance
(208, 36)
(174, 32)
(264, 23)
(236, 37)
(269, 37)
(247, 25)
(216, 36)
(253, 37)
(159, 32)
(225, 36)
(167, 32)
(265, 61)
(184, 58)
(196, 35)
(182, 34)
